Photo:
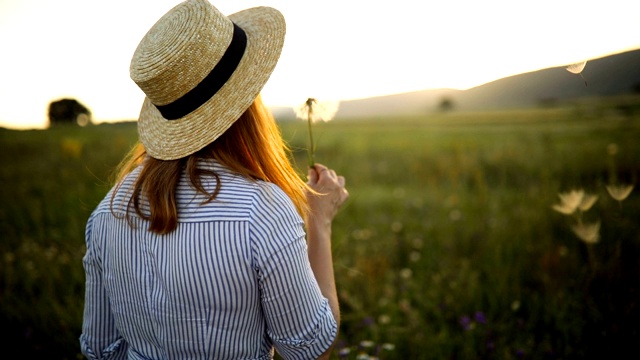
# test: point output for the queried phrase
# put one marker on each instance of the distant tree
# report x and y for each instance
(636, 87)
(446, 104)
(68, 111)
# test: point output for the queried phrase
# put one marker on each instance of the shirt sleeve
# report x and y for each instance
(100, 338)
(299, 319)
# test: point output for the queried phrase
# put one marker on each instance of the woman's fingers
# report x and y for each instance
(312, 176)
(330, 186)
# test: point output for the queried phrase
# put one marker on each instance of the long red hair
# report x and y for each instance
(252, 147)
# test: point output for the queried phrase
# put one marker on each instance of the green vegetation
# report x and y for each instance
(448, 248)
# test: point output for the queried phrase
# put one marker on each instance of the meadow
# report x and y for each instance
(449, 247)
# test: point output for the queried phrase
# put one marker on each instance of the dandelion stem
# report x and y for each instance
(311, 149)
(311, 160)
(585, 80)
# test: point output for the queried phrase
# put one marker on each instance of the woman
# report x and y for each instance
(210, 246)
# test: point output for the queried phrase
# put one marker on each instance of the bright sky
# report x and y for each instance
(334, 50)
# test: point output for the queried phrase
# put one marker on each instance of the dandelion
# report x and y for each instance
(574, 200)
(388, 346)
(311, 111)
(589, 233)
(83, 120)
(367, 343)
(619, 192)
(515, 305)
(344, 352)
(577, 69)
(569, 202)
(587, 202)
(406, 273)
(384, 319)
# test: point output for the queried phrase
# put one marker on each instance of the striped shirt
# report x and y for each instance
(233, 281)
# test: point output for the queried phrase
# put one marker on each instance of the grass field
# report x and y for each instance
(448, 248)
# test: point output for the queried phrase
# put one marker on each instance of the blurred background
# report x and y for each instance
(490, 151)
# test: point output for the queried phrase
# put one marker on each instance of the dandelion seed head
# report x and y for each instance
(367, 343)
(577, 67)
(515, 305)
(619, 192)
(406, 273)
(572, 198)
(564, 209)
(589, 233)
(83, 120)
(388, 346)
(587, 202)
(317, 110)
(384, 319)
(569, 201)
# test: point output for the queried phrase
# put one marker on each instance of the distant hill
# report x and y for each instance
(617, 74)
(612, 75)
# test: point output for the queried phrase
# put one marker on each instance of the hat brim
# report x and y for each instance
(174, 139)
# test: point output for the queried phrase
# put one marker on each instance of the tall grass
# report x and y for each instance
(447, 249)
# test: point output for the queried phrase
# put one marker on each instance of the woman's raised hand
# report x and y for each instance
(331, 193)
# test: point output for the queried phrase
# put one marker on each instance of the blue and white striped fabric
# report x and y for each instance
(233, 281)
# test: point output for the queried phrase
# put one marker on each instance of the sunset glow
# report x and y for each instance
(334, 50)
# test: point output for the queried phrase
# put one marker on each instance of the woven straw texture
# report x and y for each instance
(179, 51)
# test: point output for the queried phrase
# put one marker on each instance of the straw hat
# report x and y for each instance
(200, 70)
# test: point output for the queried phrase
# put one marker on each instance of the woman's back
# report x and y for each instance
(196, 258)
(225, 284)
